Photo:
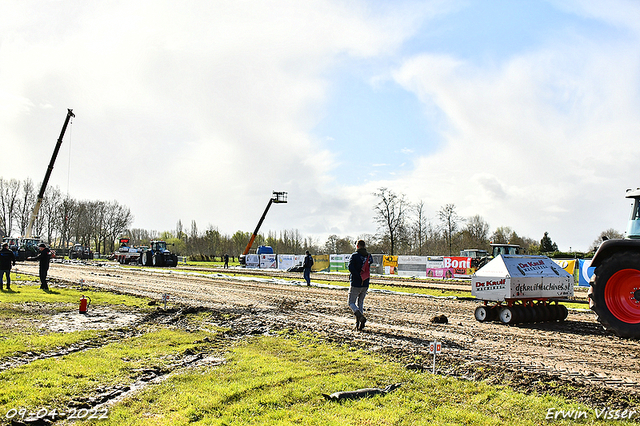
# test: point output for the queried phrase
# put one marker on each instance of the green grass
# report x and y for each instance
(53, 382)
(28, 293)
(281, 379)
(26, 307)
(276, 379)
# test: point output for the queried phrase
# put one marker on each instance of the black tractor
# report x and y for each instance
(158, 255)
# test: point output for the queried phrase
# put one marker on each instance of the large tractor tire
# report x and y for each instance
(158, 259)
(172, 260)
(146, 258)
(615, 294)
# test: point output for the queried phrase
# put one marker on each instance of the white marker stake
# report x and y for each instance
(435, 347)
(81, 284)
(165, 297)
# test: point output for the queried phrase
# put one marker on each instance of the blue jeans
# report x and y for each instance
(356, 298)
(306, 273)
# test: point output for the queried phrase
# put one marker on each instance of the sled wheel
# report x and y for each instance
(483, 313)
(545, 313)
(616, 294)
(535, 313)
(507, 315)
(564, 312)
(527, 314)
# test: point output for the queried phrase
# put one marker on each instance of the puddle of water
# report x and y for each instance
(98, 318)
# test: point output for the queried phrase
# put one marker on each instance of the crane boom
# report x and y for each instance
(36, 209)
(277, 197)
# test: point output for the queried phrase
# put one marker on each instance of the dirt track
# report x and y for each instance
(576, 358)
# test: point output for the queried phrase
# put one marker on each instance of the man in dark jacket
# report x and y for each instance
(44, 257)
(359, 267)
(7, 258)
(306, 267)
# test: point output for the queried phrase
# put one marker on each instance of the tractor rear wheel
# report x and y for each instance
(158, 259)
(615, 294)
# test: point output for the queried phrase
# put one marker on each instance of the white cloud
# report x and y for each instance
(198, 110)
(191, 111)
(542, 142)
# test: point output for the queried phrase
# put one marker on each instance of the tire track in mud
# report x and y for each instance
(577, 351)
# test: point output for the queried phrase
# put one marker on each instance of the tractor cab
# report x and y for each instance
(505, 249)
(633, 228)
(158, 246)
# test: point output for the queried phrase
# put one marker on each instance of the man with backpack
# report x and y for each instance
(359, 267)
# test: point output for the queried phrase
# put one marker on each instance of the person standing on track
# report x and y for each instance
(44, 257)
(306, 267)
(359, 268)
(7, 258)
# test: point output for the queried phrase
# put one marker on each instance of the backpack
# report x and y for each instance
(365, 271)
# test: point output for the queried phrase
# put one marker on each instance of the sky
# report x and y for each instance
(525, 113)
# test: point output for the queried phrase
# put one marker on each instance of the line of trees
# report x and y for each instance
(61, 220)
(403, 228)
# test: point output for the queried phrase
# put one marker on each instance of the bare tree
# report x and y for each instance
(25, 205)
(48, 219)
(9, 190)
(390, 212)
(119, 218)
(450, 223)
(475, 233)
(609, 234)
(420, 229)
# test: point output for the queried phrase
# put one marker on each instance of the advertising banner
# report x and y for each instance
(449, 267)
(460, 267)
(320, 262)
(268, 261)
(390, 264)
(567, 265)
(376, 267)
(252, 261)
(286, 261)
(412, 266)
(585, 272)
(435, 267)
(337, 262)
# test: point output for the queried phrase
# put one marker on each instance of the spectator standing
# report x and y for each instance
(44, 257)
(7, 258)
(306, 267)
(359, 268)
(226, 260)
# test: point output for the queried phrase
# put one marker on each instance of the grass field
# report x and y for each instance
(270, 379)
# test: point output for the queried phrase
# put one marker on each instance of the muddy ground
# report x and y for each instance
(575, 358)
